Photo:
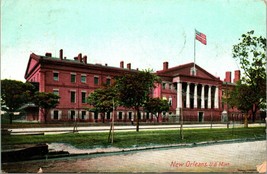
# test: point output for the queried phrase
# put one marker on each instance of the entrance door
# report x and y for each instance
(200, 116)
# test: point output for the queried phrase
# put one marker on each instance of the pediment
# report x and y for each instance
(187, 70)
(32, 63)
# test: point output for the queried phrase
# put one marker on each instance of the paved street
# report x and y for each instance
(231, 157)
(89, 129)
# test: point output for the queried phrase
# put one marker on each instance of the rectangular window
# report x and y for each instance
(83, 115)
(163, 85)
(55, 114)
(108, 81)
(83, 97)
(95, 115)
(83, 78)
(72, 78)
(56, 92)
(96, 80)
(72, 114)
(55, 76)
(147, 115)
(72, 96)
(120, 115)
(130, 115)
(139, 115)
(108, 115)
(170, 101)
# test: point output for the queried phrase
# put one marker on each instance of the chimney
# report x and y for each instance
(80, 57)
(129, 66)
(48, 54)
(85, 59)
(237, 76)
(75, 58)
(61, 54)
(121, 64)
(106, 64)
(228, 77)
(165, 65)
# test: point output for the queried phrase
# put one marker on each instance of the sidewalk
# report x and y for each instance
(84, 129)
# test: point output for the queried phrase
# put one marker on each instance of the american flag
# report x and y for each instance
(201, 37)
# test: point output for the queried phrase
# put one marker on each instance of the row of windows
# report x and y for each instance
(83, 78)
(73, 114)
(73, 96)
(84, 96)
(170, 85)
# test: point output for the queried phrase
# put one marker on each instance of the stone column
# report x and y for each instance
(203, 96)
(209, 97)
(188, 95)
(216, 98)
(179, 99)
(195, 96)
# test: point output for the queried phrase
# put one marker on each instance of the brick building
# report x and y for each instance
(196, 94)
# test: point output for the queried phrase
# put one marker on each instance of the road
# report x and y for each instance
(229, 157)
(90, 129)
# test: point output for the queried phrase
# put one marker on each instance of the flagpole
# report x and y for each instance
(194, 70)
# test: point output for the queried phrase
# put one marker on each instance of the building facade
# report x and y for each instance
(190, 90)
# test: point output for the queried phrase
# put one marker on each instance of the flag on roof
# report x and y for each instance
(201, 37)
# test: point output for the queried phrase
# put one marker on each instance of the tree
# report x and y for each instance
(102, 100)
(240, 97)
(45, 101)
(250, 53)
(134, 90)
(15, 94)
(156, 106)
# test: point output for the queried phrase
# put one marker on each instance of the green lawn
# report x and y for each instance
(131, 139)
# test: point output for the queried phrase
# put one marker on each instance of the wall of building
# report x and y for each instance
(84, 83)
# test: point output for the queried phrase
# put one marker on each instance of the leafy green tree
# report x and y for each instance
(134, 90)
(240, 97)
(156, 106)
(102, 100)
(15, 94)
(250, 52)
(45, 101)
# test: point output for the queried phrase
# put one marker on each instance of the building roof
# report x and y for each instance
(184, 70)
(37, 60)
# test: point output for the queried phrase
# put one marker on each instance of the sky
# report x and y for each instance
(145, 33)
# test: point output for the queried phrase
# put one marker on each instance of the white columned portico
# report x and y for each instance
(209, 97)
(216, 100)
(188, 95)
(195, 96)
(179, 98)
(203, 96)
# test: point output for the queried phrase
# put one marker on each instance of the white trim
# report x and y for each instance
(59, 115)
(52, 114)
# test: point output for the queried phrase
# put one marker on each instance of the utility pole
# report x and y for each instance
(211, 119)
(181, 124)
(111, 130)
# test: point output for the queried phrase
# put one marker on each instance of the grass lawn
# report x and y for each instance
(133, 139)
